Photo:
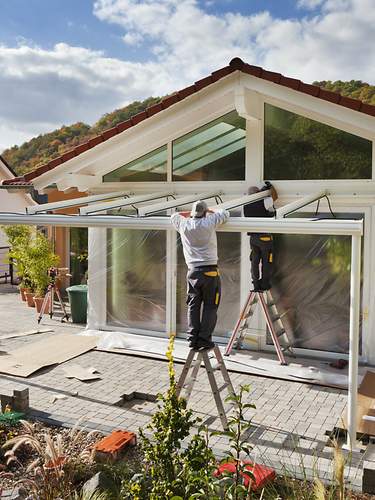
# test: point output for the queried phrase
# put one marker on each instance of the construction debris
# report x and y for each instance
(110, 448)
(19, 402)
(80, 373)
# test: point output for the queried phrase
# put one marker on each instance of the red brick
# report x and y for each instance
(68, 155)
(327, 95)
(155, 108)
(236, 63)
(107, 134)
(252, 70)
(138, 117)
(220, 73)
(81, 148)
(292, 83)
(168, 101)
(309, 89)
(124, 125)
(204, 82)
(369, 109)
(95, 141)
(271, 76)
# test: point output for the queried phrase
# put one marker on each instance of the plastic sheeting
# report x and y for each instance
(312, 290)
(131, 280)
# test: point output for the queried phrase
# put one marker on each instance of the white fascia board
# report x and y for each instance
(74, 202)
(178, 202)
(295, 205)
(335, 113)
(243, 200)
(101, 207)
(234, 224)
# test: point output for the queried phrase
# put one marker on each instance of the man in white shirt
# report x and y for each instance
(261, 244)
(198, 236)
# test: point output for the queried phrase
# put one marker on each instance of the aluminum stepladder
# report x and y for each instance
(192, 365)
(273, 321)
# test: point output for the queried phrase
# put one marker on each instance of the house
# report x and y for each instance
(226, 132)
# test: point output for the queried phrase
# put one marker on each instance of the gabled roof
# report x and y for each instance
(235, 64)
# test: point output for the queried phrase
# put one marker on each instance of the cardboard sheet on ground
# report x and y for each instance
(50, 351)
(81, 373)
(24, 334)
(365, 406)
(252, 362)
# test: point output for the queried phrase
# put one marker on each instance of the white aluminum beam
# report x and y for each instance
(100, 207)
(295, 205)
(244, 200)
(178, 202)
(235, 224)
(74, 202)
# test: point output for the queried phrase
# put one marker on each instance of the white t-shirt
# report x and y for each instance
(198, 237)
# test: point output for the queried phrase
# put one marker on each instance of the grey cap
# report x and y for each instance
(199, 209)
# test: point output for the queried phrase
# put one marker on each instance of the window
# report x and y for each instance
(136, 279)
(213, 152)
(297, 148)
(78, 255)
(149, 168)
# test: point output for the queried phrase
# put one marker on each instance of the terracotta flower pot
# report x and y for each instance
(38, 301)
(22, 290)
(30, 299)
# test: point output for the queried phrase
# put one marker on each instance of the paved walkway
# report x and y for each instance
(290, 423)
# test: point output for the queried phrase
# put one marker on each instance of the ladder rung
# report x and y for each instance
(224, 386)
(280, 333)
(275, 318)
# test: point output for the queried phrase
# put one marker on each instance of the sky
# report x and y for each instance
(63, 61)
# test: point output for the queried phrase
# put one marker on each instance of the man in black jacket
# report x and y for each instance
(261, 244)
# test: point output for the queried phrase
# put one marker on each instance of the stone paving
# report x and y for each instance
(290, 423)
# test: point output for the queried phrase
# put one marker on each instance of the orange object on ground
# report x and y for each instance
(113, 445)
(261, 475)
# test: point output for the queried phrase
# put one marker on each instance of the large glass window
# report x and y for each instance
(311, 286)
(150, 167)
(136, 279)
(297, 148)
(213, 152)
(229, 250)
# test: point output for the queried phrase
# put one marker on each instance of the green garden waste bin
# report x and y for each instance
(78, 303)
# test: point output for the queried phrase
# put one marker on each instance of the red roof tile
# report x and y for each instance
(236, 64)
(17, 181)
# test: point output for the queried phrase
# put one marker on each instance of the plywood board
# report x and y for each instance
(365, 405)
(50, 351)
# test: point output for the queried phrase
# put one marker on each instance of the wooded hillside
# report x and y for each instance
(45, 147)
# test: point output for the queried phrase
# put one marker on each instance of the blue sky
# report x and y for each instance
(63, 61)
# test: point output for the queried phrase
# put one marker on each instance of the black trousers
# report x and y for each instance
(261, 260)
(203, 299)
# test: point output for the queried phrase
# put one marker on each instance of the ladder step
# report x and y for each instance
(275, 318)
(224, 386)
(280, 333)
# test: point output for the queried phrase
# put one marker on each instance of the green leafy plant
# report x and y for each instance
(41, 258)
(238, 426)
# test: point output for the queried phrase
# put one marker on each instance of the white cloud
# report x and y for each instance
(41, 89)
(309, 4)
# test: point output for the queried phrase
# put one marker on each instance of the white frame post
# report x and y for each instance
(355, 297)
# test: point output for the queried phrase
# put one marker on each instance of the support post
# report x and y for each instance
(355, 287)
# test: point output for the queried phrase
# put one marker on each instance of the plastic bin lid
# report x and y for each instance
(77, 288)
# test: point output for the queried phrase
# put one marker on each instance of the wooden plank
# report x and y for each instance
(366, 405)
(24, 334)
(50, 351)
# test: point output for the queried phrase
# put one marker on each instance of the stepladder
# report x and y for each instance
(273, 320)
(189, 376)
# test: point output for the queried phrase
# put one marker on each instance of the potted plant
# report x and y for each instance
(42, 258)
(19, 238)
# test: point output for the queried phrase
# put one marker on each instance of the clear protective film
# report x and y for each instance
(137, 283)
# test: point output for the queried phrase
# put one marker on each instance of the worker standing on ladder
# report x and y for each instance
(261, 244)
(198, 236)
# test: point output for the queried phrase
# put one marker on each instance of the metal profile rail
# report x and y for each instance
(178, 202)
(100, 207)
(74, 202)
(295, 205)
(243, 200)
